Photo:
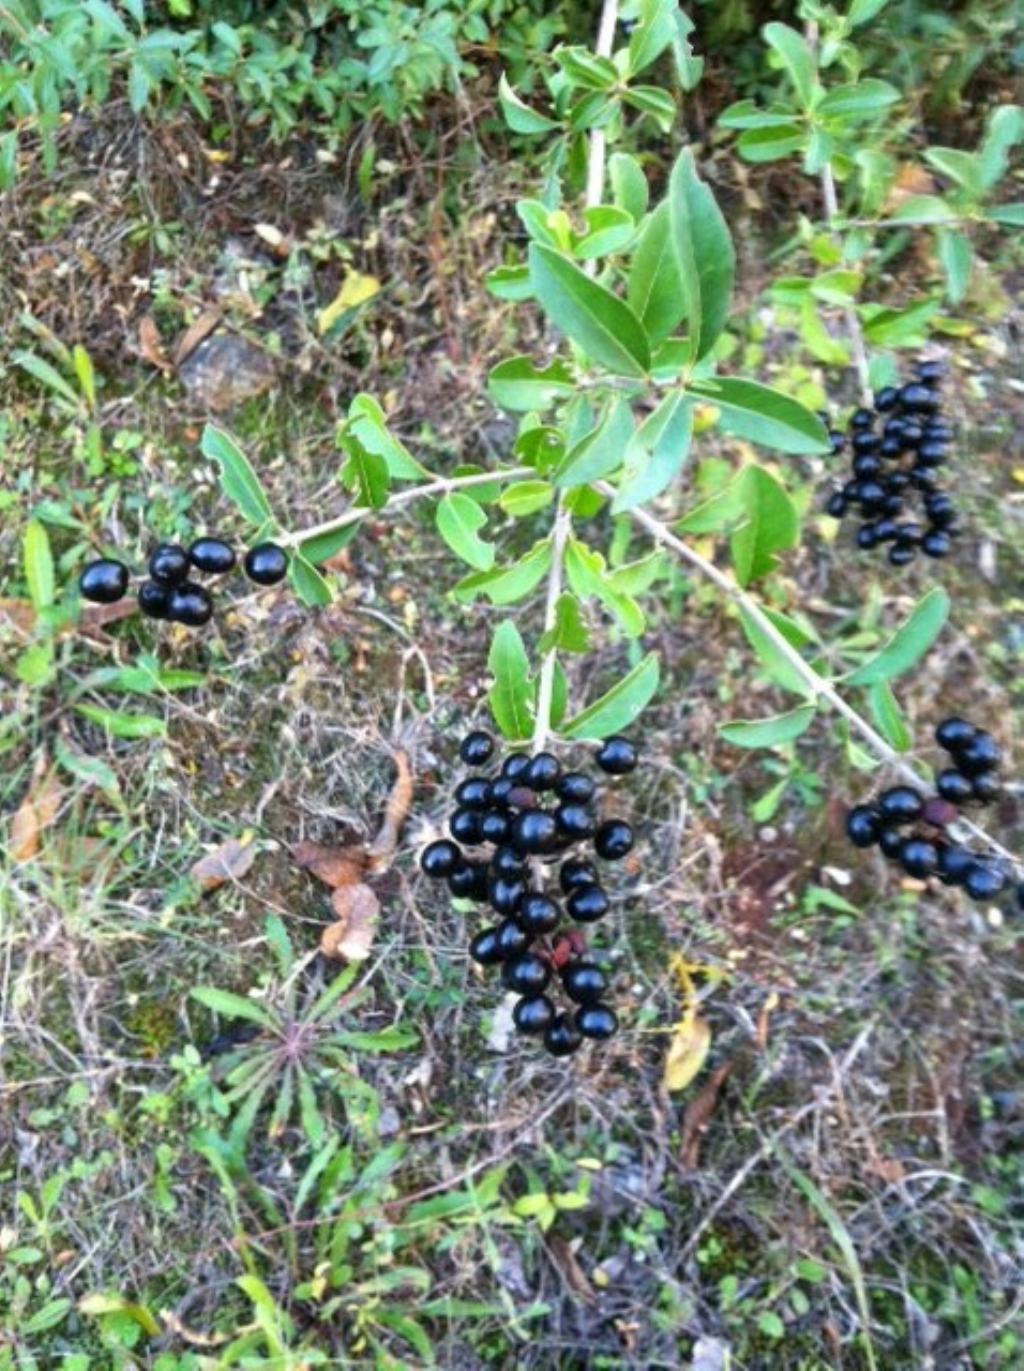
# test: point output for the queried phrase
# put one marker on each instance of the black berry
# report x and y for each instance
(533, 1015)
(937, 543)
(587, 903)
(886, 398)
(919, 857)
(575, 788)
(596, 1021)
(169, 564)
(576, 872)
(534, 832)
(836, 505)
(476, 748)
(538, 913)
(190, 604)
(473, 794)
(891, 841)
(918, 399)
(617, 756)
(983, 880)
(266, 564)
(514, 766)
(979, 755)
(511, 939)
(584, 982)
(861, 419)
(900, 805)
(985, 788)
(212, 556)
(505, 894)
(542, 771)
(526, 975)
(440, 859)
(498, 791)
(953, 734)
(507, 862)
(154, 600)
(613, 840)
(469, 881)
(862, 826)
(484, 947)
(575, 821)
(494, 826)
(954, 864)
(464, 826)
(104, 582)
(562, 1037)
(954, 787)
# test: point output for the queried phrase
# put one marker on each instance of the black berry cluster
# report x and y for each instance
(168, 592)
(910, 828)
(893, 463)
(509, 830)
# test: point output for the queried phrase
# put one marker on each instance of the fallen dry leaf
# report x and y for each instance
(335, 866)
(36, 812)
(20, 614)
(569, 1269)
(687, 1053)
(355, 290)
(350, 937)
(382, 849)
(198, 330)
(764, 1020)
(150, 345)
(228, 862)
(698, 1114)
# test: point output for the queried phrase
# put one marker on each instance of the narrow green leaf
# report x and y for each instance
(365, 472)
(778, 666)
(599, 322)
(38, 560)
(238, 480)
(518, 115)
(123, 725)
(517, 384)
(602, 450)
(780, 728)
(231, 1006)
(771, 525)
(368, 422)
(770, 144)
(654, 291)
(797, 59)
(923, 209)
(526, 497)
(764, 415)
(569, 633)
(909, 643)
(507, 584)
(618, 707)
(657, 454)
(609, 229)
(886, 712)
(327, 545)
(511, 694)
(954, 253)
(459, 520)
(50, 377)
(629, 184)
(1012, 215)
(858, 100)
(704, 254)
(311, 588)
(86, 375)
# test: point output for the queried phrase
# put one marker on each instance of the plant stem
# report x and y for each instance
(403, 497)
(821, 689)
(562, 528)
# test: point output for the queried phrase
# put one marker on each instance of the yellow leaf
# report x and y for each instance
(1018, 475)
(356, 289)
(687, 1053)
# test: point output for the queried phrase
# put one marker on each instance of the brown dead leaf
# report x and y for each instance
(350, 937)
(150, 345)
(569, 1269)
(911, 179)
(36, 812)
(201, 328)
(228, 862)
(98, 616)
(335, 866)
(697, 1116)
(382, 849)
(687, 1052)
(764, 1020)
(20, 614)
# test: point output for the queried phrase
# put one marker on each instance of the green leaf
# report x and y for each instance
(511, 694)
(586, 68)
(618, 707)
(327, 545)
(1005, 128)
(654, 291)
(771, 525)
(1012, 215)
(601, 451)
(658, 453)
(954, 253)
(769, 144)
(604, 327)
(704, 255)
(923, 209)
(962, 167)
(652, 35)
(780, 728)
(797, 59)
(858, 100)
(311, 588)
(908, 644)
(518, 385)
(658, 104)
(231, 1006)
(609, 229)
(35, 666)
(367, 421)
(89, 770)
(862, 11)
(886, 712)
(764, 415)
(123, 725)
(86, 374)
(508, 584)
(587, 574)
(510, 283)
(459, 520)
(569, 633)
(365, 473)
(747, 114)
(49, 1315)
(38, 561)
(238, 480)
(526, 497)
(519, 116)
(629, 184)
(778, 666)
(393, 1039)
(49, 375)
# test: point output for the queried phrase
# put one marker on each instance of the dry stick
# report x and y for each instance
(563, 518)
(819, 687)
(403, 497)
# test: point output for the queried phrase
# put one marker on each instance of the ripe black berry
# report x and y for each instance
(526, 975)
(514, 766)
(104, 581)
(937, 543)
(886, 398)
(190, 604)
(901, 555)
(983, 880)
(576, 872)
(985, 788)
(538, 913)
(511, 939)
(473, 794)
(440, 859)
(169, 564)
(596, 1021)
(836, 505)
(542, 771)
(954, 734)
(575, 788)
(505, 894)
(617, 756)
(862, 825)
(979, 755)
(918, 399)
(891, 841)
(587, 903)
(494, 826)
(575, 821)
(900, 805)
(498, 792)
(861, 419)
(533, 1015)
(154, 600)
(266, 564)
(940, 510)
(931, 454)
(954, 787)
(469, 881)
(212, 556)
(613, 840)
(865, 442)
(867, 535)
(919, 857)
(507, 862)
(584, 982)
(954, 864)
(484, 947)
(930, 371)
(534, 831)
(464, 826)
(562, 1037)
(476, 748)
